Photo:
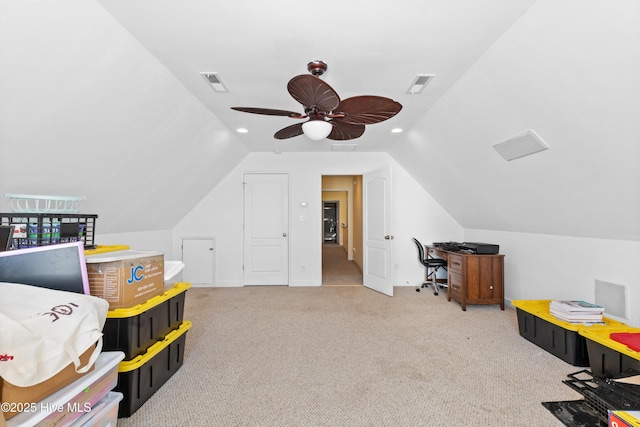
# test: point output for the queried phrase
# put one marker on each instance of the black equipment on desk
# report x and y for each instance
(480, 248)
(448, 246)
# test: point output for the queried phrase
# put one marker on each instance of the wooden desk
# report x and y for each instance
(473, 279)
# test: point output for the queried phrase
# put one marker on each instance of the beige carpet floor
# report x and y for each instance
(337, 270)
(349, 356)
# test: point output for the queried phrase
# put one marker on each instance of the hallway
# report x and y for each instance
(337, 270)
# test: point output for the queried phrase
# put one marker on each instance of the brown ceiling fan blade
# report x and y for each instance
(269, 112)
(344, 131)
(310, 91)
(367, 110)
(289, 131)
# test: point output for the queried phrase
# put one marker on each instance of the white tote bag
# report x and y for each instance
(44, 330)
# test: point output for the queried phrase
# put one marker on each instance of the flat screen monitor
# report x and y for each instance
(6, 234)
(62, 267)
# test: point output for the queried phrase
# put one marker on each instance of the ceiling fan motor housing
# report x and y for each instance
(317, 67)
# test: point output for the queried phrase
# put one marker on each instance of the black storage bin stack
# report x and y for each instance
(152, 336)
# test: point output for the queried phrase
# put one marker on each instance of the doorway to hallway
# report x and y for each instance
(342, 230)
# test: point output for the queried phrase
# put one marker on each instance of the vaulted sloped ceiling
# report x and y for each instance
(104, 99)
(85, 110)
(569, 71)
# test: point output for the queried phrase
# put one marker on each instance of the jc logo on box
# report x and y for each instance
(136, 274)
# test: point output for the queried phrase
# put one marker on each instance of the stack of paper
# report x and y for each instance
(576, 311)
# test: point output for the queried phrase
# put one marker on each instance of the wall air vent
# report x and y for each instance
(419, 83)
(521, 145)
(214, 81)
(613, 297)
(343, 147)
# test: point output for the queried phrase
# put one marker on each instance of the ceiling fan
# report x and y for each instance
(329, 117)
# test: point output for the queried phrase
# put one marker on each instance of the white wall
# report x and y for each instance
(542, 266)
(219, 214)
(160, 240)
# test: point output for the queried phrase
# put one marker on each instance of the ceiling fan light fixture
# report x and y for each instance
(316, 130)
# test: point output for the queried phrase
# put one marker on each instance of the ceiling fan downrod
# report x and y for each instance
(317, 67)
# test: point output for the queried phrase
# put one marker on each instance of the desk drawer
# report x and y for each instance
(455, 264)
(455, 283)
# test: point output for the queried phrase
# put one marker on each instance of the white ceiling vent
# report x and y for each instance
(343, 147)
(419, 83)
(521, 145)
(214, 80)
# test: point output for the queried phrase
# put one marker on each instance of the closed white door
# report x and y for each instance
(198, 256)
(378, 274)
(266, 228)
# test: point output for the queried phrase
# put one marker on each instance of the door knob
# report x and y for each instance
(284, 234)
(388, 237)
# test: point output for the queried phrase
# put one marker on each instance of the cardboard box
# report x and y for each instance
(28, 397)
(126, 278)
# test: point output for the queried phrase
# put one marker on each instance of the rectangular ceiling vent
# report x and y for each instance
(419, 83)
(214, 81)
(525, 144)
(343, 147)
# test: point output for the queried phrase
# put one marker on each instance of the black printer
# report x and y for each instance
(480, 248)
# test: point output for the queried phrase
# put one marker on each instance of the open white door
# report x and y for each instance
(377, 231)
(266, 226)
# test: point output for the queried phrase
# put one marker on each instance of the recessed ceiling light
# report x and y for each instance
(396, 130)
(419, 83)
(242, 130)
(214, 80)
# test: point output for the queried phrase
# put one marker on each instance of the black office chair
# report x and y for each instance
(432, 265)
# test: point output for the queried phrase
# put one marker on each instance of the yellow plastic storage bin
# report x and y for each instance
(133, 330)
(140, 378)
(560, 338)
(100, 249)
(609, 358)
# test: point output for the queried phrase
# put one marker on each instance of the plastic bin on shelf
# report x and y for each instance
(560, 338)
(172, 272)
(133, 330)
(103, 414)
(140, 378)
(74, 400)
(27, 203)
(609, 358)
(41, 229)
